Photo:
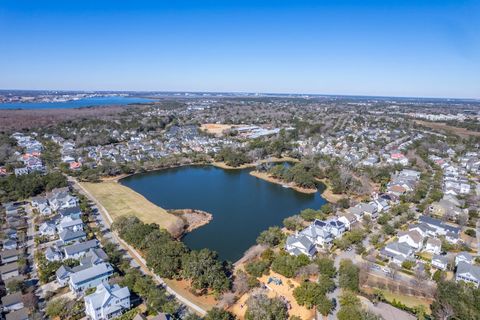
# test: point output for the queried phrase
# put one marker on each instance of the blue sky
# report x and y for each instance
(359, 47)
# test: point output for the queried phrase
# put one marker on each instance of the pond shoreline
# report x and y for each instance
(193, 219)
(267, 177)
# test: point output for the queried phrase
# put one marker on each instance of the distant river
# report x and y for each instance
(87, 102)
(242, 205)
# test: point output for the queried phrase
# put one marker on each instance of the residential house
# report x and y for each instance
(362, 209)
(433, 245)
(347, 219)
(440, 262)
(61, 198)
(9, 244)
(10, 255)
(463, 257)
(298, 244)
(67, 223)
(53, 254)
(12, 302)
(413, 238)
(21, 171)
(72, 212)
(317, 235)
(468, 272)
(48, 228)
(78, 250)
(68, 236)
(397, 252)
(90, 277)
(107, 302)
(21, 314)
(440, 228)
(9, 270)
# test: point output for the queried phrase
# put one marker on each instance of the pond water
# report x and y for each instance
(242, 205)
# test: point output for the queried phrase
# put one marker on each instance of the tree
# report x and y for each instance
(408, 264)
(205, 271)
(258, 268)
(470, 232)
(260, 307)
(288, 265)
(219, 314)
(456, 301)
(348, 275)
(293, 223)
(15, 285)
(326, 266)
(57, 308)
(439, 276)
(271, 237)
(308, 294)
(350, 306)
(325, 305)
(311, 214)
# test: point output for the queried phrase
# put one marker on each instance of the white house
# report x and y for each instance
(12, 302)
(10, 255)
(298, 244)
(52, 254)
(347, 219)
(90, 277)
(107, 302)
(48, 228)
(468, 273)
(413, 238)
(78, 250)
(70, 224)
(440, 262)
(463, 257)
(397, 252)
(433, 245)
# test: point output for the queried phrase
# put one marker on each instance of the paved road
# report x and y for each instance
(105, 222)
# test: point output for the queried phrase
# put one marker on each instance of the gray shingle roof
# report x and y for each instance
(67, 235)
(21, 314)
(91, 273)
(474, 270)
(80, 247)
(12, 299)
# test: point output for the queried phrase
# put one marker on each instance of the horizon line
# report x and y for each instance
(248, 92)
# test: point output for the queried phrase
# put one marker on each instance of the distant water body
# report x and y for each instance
(87, 102)
(242, 205)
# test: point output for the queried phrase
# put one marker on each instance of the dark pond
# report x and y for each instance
(242, 205)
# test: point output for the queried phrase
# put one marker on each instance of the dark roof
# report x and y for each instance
(69, 211)
(438, 223)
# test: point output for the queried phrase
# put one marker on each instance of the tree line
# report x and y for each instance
(171, 259)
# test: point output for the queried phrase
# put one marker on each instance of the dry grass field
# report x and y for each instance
(461, 132)
(119, 201)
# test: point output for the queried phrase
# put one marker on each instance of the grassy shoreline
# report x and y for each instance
(120, 201)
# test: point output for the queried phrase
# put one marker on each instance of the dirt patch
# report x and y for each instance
(272, 290)
(217, 129)
(192, 218)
